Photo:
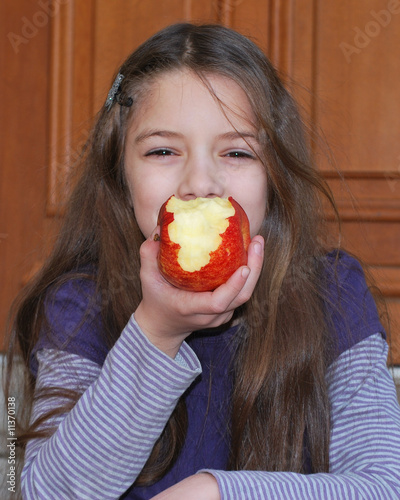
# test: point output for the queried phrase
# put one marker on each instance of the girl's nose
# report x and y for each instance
(201, 178)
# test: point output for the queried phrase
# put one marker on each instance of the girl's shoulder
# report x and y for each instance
(350, 306)
(72, 319)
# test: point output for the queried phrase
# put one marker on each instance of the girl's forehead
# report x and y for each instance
(180, 79)
(179, 89)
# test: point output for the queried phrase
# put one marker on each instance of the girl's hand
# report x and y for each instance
(201, 486)
(167, 315)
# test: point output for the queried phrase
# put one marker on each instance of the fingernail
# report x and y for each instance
(245, 272)
(258, 248)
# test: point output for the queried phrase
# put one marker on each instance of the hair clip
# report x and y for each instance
(113, 91)
(123, 100)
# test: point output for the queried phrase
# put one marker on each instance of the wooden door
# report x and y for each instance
(24, 116)
(339, 58)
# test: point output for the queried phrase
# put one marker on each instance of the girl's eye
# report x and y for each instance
(240, 154)
(160, 152)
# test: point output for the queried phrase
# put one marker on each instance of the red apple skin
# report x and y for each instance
(229, 256)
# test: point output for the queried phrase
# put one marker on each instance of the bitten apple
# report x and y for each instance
(202, 241)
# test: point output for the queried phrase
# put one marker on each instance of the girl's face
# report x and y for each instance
(183, 142)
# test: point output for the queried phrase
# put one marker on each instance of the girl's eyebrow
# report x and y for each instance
(236, 134)
(157, 133)
(231, 135)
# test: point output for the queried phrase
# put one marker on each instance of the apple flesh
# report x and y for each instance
(202, 241)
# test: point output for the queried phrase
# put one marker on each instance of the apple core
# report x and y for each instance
(197, 227)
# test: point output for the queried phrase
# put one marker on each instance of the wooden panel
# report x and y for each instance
(357, 75)
(71, 101)
(250, 17)
(375, 197)
(376, 243)
(389, 279)
(24, 60)
(393, 306)
(303, 56)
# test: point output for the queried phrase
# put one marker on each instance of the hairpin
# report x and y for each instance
(123, 100)
(113, 91)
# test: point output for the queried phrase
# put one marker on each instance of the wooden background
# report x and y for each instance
(340, 59)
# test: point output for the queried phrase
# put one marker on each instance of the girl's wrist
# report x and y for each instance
(168, 344)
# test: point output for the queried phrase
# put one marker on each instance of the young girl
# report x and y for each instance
(275, 384)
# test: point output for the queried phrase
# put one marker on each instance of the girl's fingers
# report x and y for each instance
(255, 263)
(238, 289)
(223, 297)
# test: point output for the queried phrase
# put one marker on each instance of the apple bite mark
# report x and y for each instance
(197, 227)
(202, 241)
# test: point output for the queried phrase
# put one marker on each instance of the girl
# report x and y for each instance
(272, 386)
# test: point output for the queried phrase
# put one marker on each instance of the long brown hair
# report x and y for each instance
(279, 403)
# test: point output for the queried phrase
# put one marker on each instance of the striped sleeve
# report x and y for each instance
(102, 444)
(365, 440)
